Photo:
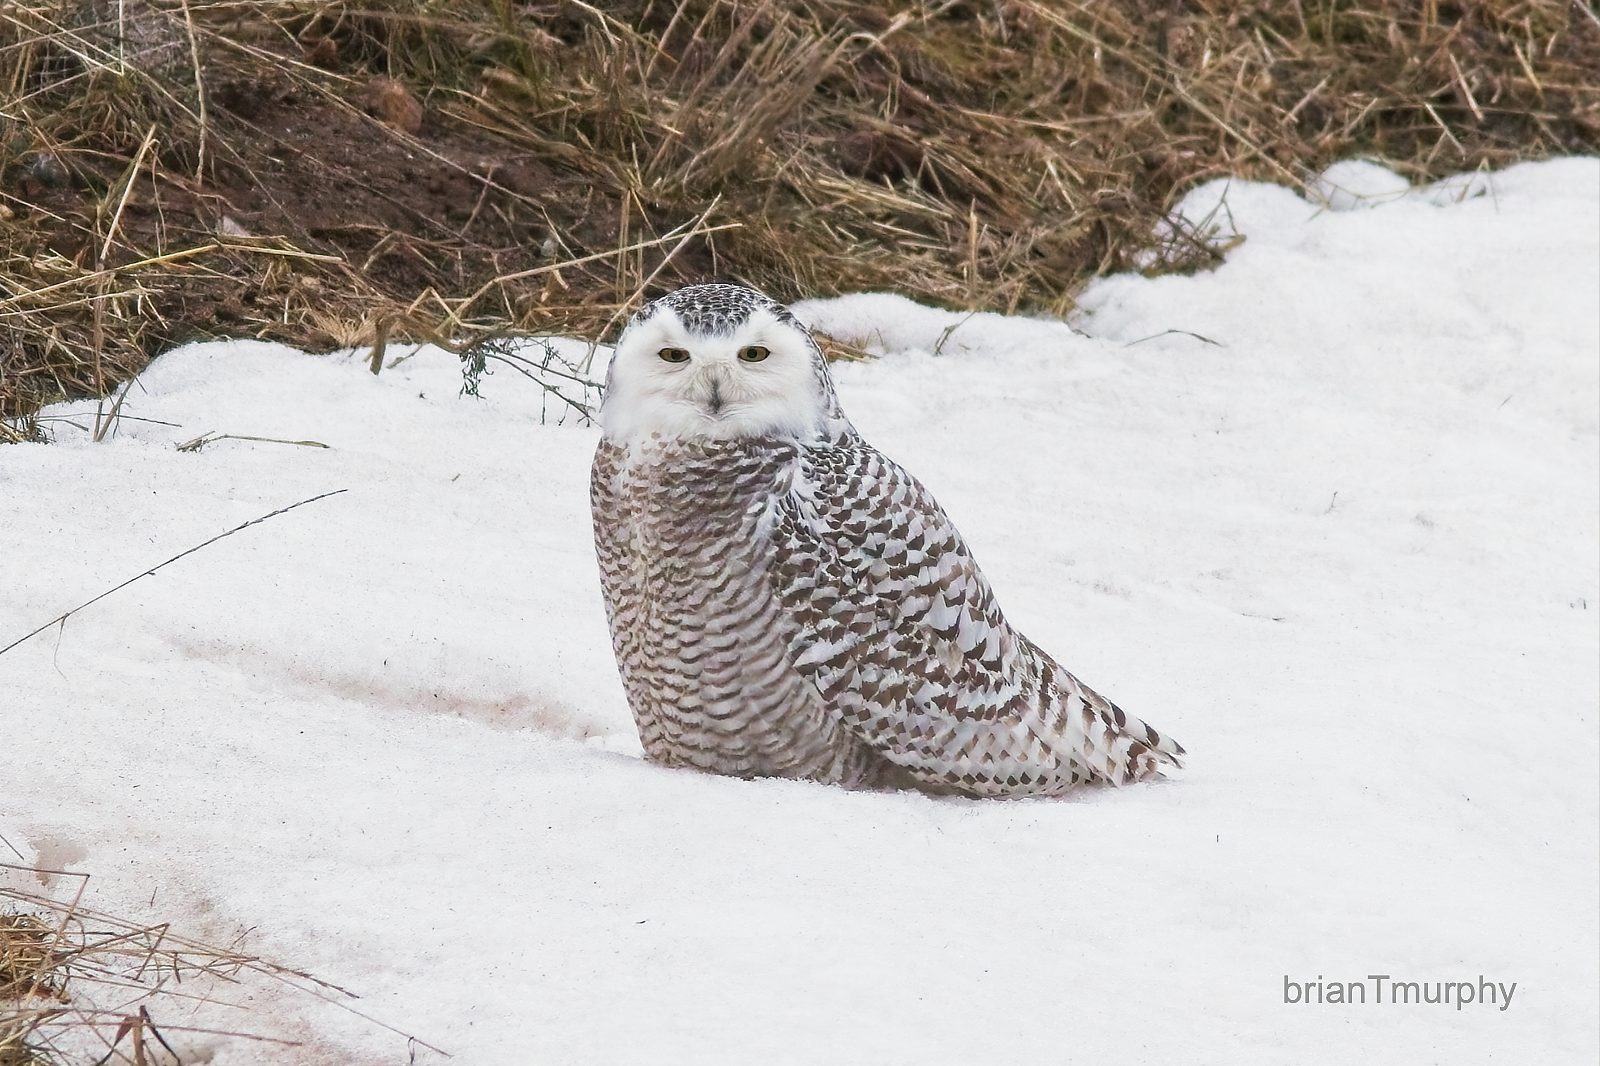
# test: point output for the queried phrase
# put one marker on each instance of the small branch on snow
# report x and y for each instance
(208, 437)
(1184, 332)
(62, 618)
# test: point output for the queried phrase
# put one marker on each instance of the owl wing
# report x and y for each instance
(611, 532)
(619, 583)
(899, 631)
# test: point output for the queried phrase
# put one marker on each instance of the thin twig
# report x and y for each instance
(210, 437)
(60, 619)
(103, 425)
(1184, 332)
(122, 199)
(200, 94)
(944, 337)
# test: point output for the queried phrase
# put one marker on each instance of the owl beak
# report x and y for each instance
(713, 395)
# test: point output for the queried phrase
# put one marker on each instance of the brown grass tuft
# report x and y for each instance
(324, 173)
(77, 985)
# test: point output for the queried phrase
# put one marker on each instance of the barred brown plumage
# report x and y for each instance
(786, 601)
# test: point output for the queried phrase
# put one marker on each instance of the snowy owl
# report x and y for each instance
(786, 601)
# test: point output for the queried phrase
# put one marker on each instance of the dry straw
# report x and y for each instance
(330, 173)
(81, 986)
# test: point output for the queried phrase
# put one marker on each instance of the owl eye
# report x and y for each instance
(674, 355)
(753, 353)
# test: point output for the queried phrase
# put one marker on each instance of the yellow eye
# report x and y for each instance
(753, 354)
(674, 355)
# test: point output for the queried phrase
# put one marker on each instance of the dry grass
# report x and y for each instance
(80, 986)
(333, 173)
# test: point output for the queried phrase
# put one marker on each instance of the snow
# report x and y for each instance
(1352, 184)
(1328, 515)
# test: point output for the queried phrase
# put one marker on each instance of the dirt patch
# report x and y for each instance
(452, 213)
(398, 217)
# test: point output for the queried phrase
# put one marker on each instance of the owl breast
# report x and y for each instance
(702, 643)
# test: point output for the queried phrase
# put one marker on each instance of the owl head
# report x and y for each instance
(717, 362)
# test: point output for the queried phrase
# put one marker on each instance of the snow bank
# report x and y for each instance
(1327, 514)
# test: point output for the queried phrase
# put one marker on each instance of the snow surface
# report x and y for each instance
(1352, 184)
(1328, 514)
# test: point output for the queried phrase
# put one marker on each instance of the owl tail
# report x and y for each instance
(1118, 747)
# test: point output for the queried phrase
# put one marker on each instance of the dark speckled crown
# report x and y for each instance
(716, 308)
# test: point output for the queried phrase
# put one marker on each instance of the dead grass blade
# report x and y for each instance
(62, 618)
